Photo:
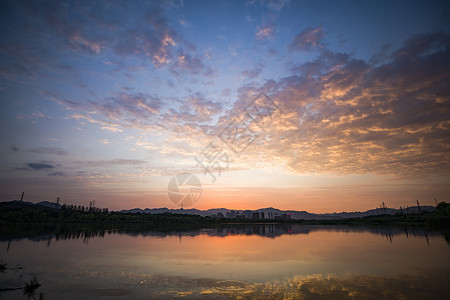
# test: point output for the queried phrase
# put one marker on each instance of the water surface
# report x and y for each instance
(264, 261)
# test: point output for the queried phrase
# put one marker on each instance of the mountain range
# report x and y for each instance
(294, 214)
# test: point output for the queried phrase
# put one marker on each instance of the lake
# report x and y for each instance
(266, 261)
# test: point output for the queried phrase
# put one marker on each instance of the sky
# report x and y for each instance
(323, 106)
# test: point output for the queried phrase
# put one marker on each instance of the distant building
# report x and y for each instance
(233, 214)
(283, 217)
(228, 215)
(256, 215)
(220, 215)
(247, 214)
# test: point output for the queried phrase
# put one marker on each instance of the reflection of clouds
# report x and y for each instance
(350, 286)
(230, 267)
(316, 286)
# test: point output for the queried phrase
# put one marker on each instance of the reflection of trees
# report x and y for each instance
(85, 232)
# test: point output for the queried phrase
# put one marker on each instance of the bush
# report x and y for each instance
(443, 208)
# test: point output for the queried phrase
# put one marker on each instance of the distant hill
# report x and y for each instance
(18, 204)
(49, 204)
(26, 204)
(296, 215)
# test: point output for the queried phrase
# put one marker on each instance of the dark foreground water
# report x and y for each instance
(228, 262)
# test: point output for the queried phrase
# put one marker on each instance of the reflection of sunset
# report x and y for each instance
(246, 257)
(236, 261)
(243, 256)
(352, 286)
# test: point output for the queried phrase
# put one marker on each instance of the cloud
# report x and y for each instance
(226, 92)
(106, 125)
(118, 111)
(192, 64)
(15, 149)
(57, 174)
(39, 166)
(125, 110)
(278, 5)
(265, 31)
(135, 103)
(93, 30)
(48, 150)
(251, 74)
(249, 19)
(308, 39)
(112, 162)
(184, 22)
(274, 5)
(342, 115)
(68, 104)
(75, 34)
(204, 109)
(189, 119)
(158, 40)
(154, 39)
(339, 114)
